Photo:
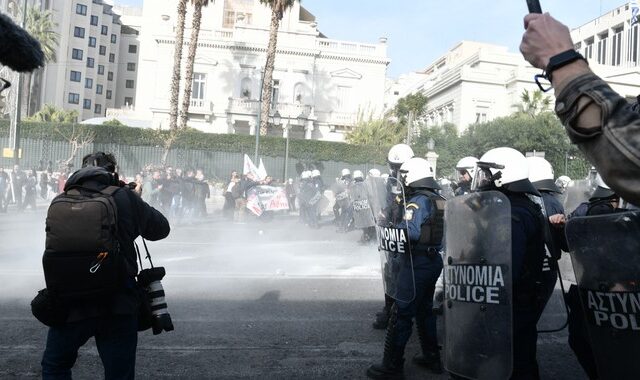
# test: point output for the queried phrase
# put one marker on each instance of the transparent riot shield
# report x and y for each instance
(478, 286)
(393, 242)
(576, 192)
(605, 252)
(362, 213)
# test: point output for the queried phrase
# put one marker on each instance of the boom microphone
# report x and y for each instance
(18, 50)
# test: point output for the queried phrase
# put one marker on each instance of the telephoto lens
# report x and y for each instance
(150, 279)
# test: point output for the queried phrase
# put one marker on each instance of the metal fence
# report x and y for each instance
(38, 153)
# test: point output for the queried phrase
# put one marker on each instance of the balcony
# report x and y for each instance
(201, 106)
(343, 118)
(252, 107)
(347, 47)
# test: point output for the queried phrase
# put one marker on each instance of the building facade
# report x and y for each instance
(320, 85)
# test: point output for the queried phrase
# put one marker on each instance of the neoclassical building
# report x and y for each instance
(320, 85)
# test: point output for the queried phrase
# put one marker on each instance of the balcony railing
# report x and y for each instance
(348, 47)
(200, 106)
(252, 107)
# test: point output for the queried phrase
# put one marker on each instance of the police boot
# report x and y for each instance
(382, 317)
(392, 366)
(430, 358)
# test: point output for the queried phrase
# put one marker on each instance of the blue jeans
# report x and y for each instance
(426, 271)
(116, 338)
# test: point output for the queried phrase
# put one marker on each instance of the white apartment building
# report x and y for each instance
(320, 84)
(85, 75)
(127, 69)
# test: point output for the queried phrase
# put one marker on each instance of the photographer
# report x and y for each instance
(597, 119)
(109, 317)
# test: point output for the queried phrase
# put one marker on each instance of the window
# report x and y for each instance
(73, 98)
(481, 117)
(92, 42)
(86, 104)
(602, 49)
(112, 57)
(133, 49)
(90, 62)
(299, 93)
(78, 32)
(130, 84)
(97, 108)
(131, 66)
(105, 30)
(588, 49)
(128, 101)
(75, 76)
(88, 83)
(245, 88)
(234, 10)
(99, 89)
(344, 98)
(275, 93)
(100, 70)
(109, 94)
(199, 82)
(110, 76)
(113, 38)
(81, 9)
(76, 54)
(103, 50)
(616, 47)
(633, 43)
(94, 20)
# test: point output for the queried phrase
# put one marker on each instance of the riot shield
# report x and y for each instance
(478, 286)
(362, 213)
(605, 252)
(394, 245)
(576, 193)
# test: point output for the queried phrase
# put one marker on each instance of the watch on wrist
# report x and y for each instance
(560, 60)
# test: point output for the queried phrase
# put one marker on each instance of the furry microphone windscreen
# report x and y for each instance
(18, 50)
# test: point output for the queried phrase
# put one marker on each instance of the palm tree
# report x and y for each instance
(533, 103)
(278, 7)
(41, 26)
(177, 58)
(193, 46)
(50, 114)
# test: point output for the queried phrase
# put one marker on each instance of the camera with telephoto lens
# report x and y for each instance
(150, 279)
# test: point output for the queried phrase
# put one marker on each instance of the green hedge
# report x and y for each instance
(311, 150)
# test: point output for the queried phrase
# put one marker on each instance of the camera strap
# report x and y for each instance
(148, 257)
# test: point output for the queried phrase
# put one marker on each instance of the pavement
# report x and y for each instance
(261, 300)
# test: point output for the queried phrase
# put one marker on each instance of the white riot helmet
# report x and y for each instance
(503, 168)
(315, 173)
(563, 181)
(345, 172)
(399, 154)
(467, 164)
(374, 172)
(418, 173)
(541, 174)
(357, 174)
(305, 174)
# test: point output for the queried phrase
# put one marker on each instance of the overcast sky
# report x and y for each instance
(419, 31)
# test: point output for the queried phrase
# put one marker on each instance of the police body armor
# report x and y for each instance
(605, 252)
(478, 286)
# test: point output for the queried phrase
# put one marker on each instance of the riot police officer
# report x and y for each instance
(465, 168)
(506, 170)
(423, 218)
(398, 155)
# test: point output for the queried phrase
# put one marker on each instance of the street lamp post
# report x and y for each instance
(257, 131)
(566, 162)
(432, 156)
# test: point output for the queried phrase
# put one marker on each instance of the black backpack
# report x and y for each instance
(82, 258)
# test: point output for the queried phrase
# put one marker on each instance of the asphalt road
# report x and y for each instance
(285, 303)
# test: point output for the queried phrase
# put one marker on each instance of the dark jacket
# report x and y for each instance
(135, 218)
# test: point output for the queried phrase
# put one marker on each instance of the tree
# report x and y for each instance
(412, 103)
(41, 26)
(177, 58)
(193, 47)
(278, 7)
(379, 133)
(77, 139)
(448, 145)
(49, 113)
(533, 103)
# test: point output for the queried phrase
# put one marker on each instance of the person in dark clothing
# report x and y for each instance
(4, 184)
(202, 194)
(44, 184)
(30, 185)
(17, 180)
(506, 170)
(290, 190)
(111, 320)
(229, 195)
